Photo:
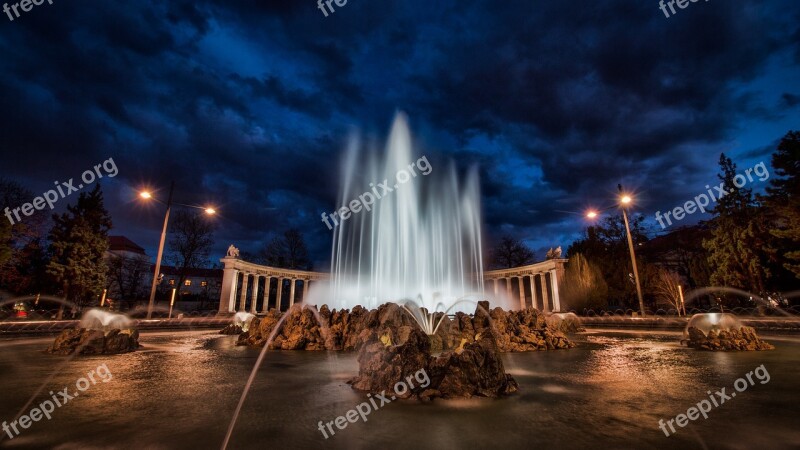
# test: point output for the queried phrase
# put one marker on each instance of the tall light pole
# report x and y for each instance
(147, 195)
(624, 201)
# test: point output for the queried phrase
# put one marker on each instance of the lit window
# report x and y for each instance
(187, 283)
(172, 282)
(204, 283)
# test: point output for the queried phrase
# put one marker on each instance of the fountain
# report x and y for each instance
(412, 256)
(565, 322)
(419, 243)
(98, 319)
(721, 332)
(99, 332)
(241, 323)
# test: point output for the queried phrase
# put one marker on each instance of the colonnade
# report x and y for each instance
(242, 280)
(540, 280)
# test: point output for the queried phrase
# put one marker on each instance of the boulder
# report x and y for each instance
(742, 339)
(94, 342)
(472, 370)
(231, 330)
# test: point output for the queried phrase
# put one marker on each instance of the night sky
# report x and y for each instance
(249, 105)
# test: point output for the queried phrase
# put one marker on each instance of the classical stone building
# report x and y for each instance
(248, 287)
(535, 285)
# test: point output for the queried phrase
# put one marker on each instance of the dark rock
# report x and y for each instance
(474, 370)
(94, 342)
(301, 329)
(743, 339)
(231, 330)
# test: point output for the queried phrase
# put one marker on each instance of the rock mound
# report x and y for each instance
(232, 330)
(94, 342)
(514, 331)
(743, 339)
(472, 370)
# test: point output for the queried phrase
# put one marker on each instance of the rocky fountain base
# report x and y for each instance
(475, 369)
(514, 331)
(743, 339)
(393, 348)
(722, 332)
(94, 342)
(99, 333)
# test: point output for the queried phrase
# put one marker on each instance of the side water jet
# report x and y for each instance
(427, 320)
(252, 377)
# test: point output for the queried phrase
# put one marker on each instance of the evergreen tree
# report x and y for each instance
(78, 242)
(737, 237)
(783, 201)
(5, 242)
(20, 244)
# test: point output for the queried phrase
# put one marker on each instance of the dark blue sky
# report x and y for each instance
(248, 104)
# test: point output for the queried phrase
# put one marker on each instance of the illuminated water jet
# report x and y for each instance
(419, 243)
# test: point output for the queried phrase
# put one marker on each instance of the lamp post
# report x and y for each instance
(147, 196)
(624, 201)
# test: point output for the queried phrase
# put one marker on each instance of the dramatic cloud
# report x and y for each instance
(249, 105)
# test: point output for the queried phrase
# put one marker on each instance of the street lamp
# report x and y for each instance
(147, 196)
(624, 201)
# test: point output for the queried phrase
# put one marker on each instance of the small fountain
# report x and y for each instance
(99, 332)
(98, 319)
(565, 322)
(241, 323)
(721, 332)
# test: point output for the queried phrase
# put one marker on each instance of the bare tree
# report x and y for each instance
(190, 243)
(667, 289)
(126, 277)
(287, 251)
(511, 253)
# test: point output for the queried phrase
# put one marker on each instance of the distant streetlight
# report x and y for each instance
(591, 214)
(147, 196)
(627, 200)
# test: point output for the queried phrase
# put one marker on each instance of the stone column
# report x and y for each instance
(243, 294)
(265, 306)
(534, 302)
(305, 290)
(554, 283)
(254, 302)
(227, 296)
(545, 293)
(508, 286)
(291, 292)
(496, 291)
(280, 294)
(521, 293)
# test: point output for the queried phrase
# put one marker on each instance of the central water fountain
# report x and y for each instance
(419, 244)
